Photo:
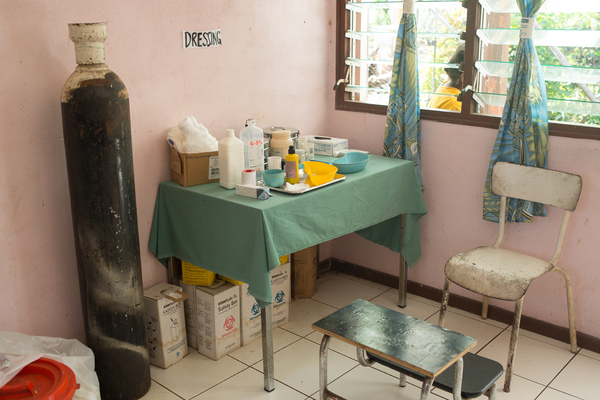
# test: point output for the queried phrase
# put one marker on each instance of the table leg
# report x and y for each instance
(402, 270)
(266, 317)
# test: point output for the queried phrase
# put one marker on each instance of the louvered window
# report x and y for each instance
(567, 39)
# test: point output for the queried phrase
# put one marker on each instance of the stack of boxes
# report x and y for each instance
(213, 318)
(224, 316)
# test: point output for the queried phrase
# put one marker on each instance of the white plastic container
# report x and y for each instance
(253, 138)
(231, 160)
(280, 143)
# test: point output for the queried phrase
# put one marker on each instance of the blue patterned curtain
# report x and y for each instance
(403, 124)
(523, 133)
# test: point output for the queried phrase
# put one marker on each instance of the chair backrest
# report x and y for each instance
(546, 186)
(555, 188)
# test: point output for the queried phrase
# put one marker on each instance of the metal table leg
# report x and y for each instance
(402, 271)
(266, 317)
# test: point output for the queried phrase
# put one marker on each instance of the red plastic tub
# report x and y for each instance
(43, 379)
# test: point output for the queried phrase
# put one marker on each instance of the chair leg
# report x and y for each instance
(570, 307)
(484, 308)
(444, 304)
(513, 344)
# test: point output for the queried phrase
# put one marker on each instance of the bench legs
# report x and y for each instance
(324, 393)
(363, 359)
(491, 392)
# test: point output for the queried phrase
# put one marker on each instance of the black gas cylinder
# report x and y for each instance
(97, 136)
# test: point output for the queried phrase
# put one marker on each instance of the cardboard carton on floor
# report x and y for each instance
(165, 324)
(218, 312)
(304, 273)
(280, 285)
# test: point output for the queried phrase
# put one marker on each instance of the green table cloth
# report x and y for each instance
(242, 238)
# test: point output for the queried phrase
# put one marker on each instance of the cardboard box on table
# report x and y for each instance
(251, 312)
(195, 168)
(165, 324)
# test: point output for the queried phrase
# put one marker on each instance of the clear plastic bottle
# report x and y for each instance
(231, 160)
(252, 137)
(292, 172)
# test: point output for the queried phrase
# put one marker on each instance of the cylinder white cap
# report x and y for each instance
(89, 42)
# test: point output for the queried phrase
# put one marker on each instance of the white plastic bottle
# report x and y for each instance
(231, 160)
(280, 143)
(252, 137)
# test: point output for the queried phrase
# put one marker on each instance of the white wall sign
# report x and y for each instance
(201, 39)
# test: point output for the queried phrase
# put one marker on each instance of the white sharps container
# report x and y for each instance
(231, 160)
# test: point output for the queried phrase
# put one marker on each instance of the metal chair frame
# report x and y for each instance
(474, 270)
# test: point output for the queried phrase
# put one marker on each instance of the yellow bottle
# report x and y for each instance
(292, 172)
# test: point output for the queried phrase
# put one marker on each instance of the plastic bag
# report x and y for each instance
(196, 138)
(20, 350)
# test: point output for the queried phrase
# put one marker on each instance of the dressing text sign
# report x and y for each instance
(201, 39)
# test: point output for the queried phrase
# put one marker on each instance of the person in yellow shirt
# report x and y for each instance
(447, 91)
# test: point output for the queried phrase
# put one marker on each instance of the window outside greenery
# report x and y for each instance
(568, 46)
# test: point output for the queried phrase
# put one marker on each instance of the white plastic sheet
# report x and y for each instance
(20, 350)
(189, 136)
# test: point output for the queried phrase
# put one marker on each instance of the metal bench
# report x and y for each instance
(436, 356)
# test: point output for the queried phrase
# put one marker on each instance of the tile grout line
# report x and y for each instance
(167, 389)
(556, 376)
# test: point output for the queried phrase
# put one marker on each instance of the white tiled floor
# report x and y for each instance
(544, 369)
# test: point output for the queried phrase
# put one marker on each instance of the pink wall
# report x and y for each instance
(455, 162)
(276, 64)
(272, 66)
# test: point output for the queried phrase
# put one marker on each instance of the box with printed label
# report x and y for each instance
(218, 320)
(280, 285)
(165, 324)
(328, 146)
(194, 168)
(189, 307)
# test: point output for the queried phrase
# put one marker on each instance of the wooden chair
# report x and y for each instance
(504, 274)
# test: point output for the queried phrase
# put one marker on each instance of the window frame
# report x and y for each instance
(465, 116)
